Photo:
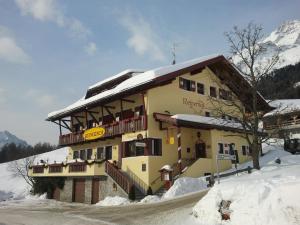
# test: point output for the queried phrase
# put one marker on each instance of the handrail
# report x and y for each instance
(122, 180)
(138, 182)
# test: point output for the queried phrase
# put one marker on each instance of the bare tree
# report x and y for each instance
(20, 168)
(248, 50)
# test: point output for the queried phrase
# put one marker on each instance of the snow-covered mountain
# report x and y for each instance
(7, 138)
(285, 40)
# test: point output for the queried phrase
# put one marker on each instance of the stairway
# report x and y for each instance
(124, 180)
(160, 192)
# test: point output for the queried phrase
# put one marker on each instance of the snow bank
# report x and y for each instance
(113, 201)
(185, 185)
(150, 199)
(12, 187)
(269, 196)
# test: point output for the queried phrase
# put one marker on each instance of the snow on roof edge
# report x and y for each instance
(135, 81)
(108, 79)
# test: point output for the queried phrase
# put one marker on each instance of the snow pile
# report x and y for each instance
(13, 187)
(150, 199)
(185, 185)
(269, 196)
(113, 201)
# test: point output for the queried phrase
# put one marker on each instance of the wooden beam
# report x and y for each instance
(80, 123)
(109, 107)
(127, 100)
(109, 112)
(93, 117)
(121, 109)
(60, 132)
(59, 124)
(68, 127)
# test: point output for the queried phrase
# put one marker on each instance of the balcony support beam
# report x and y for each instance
(59, 124)
(67, 126)
(92, 115)
(127, 100)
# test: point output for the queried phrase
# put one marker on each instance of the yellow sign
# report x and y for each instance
(171, 141)
(93, 133)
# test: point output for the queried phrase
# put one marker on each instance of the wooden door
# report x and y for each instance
(200, 150)
(78, 190)
(56, 194)
(95, 191)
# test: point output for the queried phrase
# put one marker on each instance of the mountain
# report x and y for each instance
(7, 138)
(286, 40)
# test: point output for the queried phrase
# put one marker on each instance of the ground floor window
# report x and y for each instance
(100, 153)
(149, 146)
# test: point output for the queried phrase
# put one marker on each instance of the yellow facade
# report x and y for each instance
(168, 99)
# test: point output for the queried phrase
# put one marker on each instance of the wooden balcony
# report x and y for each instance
(283, 125)
(111, 130)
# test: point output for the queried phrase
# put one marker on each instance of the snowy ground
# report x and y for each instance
(12, 187)
(269, 196)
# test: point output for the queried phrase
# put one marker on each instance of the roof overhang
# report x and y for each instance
(212, 63)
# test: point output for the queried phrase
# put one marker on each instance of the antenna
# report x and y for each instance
(175, 45)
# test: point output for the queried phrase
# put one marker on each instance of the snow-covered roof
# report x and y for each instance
(208, 120)
(132, 82)
(125, 72)
(167, 168)
(283, 106)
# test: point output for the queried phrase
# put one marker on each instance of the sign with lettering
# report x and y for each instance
(140, 144)
(93, 133)
(226, 157)
(134, 136)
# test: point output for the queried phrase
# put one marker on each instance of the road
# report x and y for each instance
(174, 211)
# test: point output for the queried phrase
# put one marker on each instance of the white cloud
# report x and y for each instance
(49, 11)
(9, 49)
(44, 10)
(142, 38)
(91, 48)
(42, 99)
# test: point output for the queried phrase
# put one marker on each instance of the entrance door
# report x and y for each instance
(108, 152)
(95, 191)
(200, 150)
(78, 190)
(56, 194)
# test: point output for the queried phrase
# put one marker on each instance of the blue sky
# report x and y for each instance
(51, 51)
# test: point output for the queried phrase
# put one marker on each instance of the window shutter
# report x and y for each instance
(193, 85)
(181, 82)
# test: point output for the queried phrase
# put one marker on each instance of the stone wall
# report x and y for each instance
(88, 191)
(66, 192)
(106, 188)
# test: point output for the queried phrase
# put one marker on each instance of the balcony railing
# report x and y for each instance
(111, 130)
(38, 169)
(55, 168)
(77, 167)
(283, 124)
